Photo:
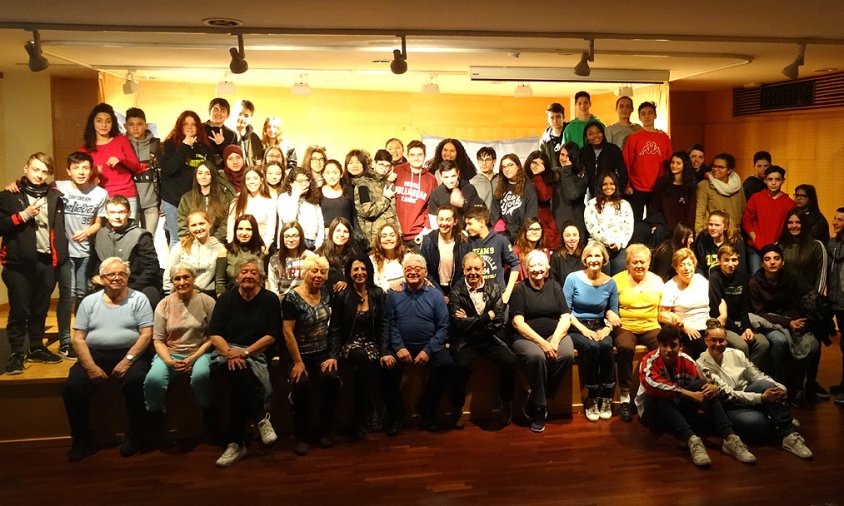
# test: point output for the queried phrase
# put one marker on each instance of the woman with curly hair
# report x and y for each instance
(674, 199)
(452, 150)
(387, 253)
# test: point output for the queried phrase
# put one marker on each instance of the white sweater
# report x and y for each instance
(610, 226)
(203, 259)
(264, 211)
(735, 373)
(307, 214)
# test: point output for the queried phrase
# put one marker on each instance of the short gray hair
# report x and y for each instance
(250, 259)
(114, 260)
(182, 266)
(413, 257)
(536, 255)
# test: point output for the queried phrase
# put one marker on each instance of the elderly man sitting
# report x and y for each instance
(111, 337)
(418, 331)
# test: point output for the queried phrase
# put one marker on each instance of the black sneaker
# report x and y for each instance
(816, 391)
(626, 412)
(67, 351)
(79, 451)
(15, 364)
(131, 446)
(42, 355)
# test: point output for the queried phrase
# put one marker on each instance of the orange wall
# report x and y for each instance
(808, 144)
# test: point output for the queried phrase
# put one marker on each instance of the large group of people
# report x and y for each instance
(604, 238)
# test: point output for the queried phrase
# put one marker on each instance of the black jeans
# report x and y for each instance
(680, 415)
(440, 367)
(29, 287)
(246, 399)
(466, 357)
(79, 388)
(365, 374)
(301, 392)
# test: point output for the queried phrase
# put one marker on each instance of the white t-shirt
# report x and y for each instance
(691, 304)
(80, 210)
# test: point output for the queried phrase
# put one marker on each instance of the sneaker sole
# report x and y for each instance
(14, 373)
(37, 361)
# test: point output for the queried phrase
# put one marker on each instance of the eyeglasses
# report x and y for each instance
(318, 159)
(800, 196)
(115, 275)
(508, 165)
(414, 268)
(383, 165)
(291, 236)
(534, 229)
(719, 167)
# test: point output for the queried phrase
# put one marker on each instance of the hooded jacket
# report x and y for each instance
(250, 144)
(373, 208)
(610, 159)
(515, 209)
(178, 163)
(835, 288)
(147, 181)
(549, 145)
(713, 194)
(413, 192)
(19, 244)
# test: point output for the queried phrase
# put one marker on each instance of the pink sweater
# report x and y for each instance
(116, 180)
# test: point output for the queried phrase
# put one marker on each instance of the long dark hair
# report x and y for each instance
(601, 200)
(283, 252)
(337, 255)
(243, 197)
(379, 254)
(216, 210)
(370, 271)
(463, 162)
(549, 176)
(812, 193)
(90, 134)
(803, 241)
(522, 241)
(573, 152)
(689, 182)
(255, 245)
(504, 184)
(314, 194)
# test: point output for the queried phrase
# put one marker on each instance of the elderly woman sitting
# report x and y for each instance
(541, 320)
(753, 401)
(111, 335)
(245, 322)
(180, 344)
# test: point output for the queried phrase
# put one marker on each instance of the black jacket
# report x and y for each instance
(131, 244)
(476, 327)
(344, 306)
(19, 241)
(178, 163)
(610, 160)
(431, 251)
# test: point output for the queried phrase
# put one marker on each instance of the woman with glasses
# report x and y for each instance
(515, 198)
(721, 191)
(314, 161)
(285, 270)
(531, 238)
(299, 202)
(806, 199)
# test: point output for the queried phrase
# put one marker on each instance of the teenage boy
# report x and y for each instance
(755, 183)
(396, 149)
(218, 133)
(33, 247)
(728, 303)
(247, 139)
(574, 130)
(443, 249)
(486, 179)
(552, 138)
(671, 395)
(453, 190)
(764, 215)
(835, 288)
(123, 239)
(698, 157)
(146, 182)
(646, 154)
(414, 185)
(494, 249)
(618, 132)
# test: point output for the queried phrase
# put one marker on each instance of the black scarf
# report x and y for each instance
(35, 191)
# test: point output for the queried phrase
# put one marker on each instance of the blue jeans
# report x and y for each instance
(171, 222)
(65, 306)
(160, 375)
(778, 353)
(598, 364)
(754, 261)
(758, 420)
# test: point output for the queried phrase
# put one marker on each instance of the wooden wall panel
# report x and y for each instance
(72, 100)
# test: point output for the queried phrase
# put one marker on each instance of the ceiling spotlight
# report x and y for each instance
(301, 88)
(399, 63)
(431, 87)
(582, 68)
(238, 64)
(792, 70)
(131, 86)
(523, 90)
(37, 62)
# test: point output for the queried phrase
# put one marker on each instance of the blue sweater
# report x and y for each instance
(418, 320)
(497, 253)
(590, 302)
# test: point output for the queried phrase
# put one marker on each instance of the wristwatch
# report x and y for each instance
(130, 358)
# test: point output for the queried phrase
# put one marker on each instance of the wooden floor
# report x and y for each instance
(572, 462)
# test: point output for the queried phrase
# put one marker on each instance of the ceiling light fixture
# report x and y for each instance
(582, 68)
(792, 70)
(37, 62)
(399, 63)
(523, 90)
(238, 64)
(431, 87)
(131, 86)
(301, 88)
(226, 87)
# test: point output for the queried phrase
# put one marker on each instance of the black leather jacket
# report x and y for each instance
(475, 326)
(344, 306)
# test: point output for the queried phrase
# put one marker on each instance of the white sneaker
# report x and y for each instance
(265, 429)
(734, 446)
(605, 408)
(698, 452)
(795, 444)
(233, 453)
(592, 412)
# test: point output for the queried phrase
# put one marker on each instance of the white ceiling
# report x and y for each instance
(704, 45)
